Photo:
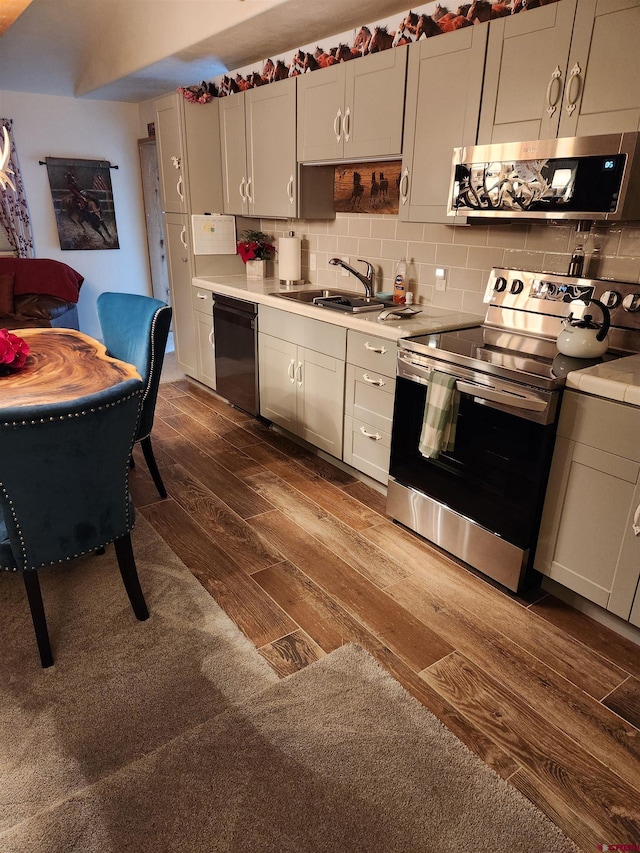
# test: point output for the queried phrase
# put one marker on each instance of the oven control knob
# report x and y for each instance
(611, 298)
(631, 302)
(516, 286)
(500, 285)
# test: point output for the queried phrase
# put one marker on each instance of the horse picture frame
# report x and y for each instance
(367, 187)
(83, 204)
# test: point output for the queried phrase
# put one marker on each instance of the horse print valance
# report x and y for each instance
(83, 203)
(425, 21)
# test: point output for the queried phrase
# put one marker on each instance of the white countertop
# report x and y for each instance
(615, 380)
(260, 291)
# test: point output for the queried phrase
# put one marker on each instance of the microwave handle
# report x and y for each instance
(504, 397)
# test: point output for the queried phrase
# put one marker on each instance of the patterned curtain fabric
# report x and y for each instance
(14, 211)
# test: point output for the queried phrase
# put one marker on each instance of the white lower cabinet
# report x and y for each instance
(587, 538)
(301, 376)
(202, 301)
(369, 395)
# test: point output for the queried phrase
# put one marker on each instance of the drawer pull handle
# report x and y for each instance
(553, 91)
(346, 124)
(379, 350)
(201, 295)
(636, 521)
(337, 126)
(378, 382)
(574, 84)
(179, 189)
(375, 436)
(404, 186)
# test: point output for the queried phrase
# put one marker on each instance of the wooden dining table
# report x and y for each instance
(62, 365)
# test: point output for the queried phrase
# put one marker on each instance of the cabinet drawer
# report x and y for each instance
(371, 352)
(588, 420)
(303, 331)
(367, 449)
(369, 397)
(202, 300)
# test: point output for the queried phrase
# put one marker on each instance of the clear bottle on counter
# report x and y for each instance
(576, 264)
(400, 283)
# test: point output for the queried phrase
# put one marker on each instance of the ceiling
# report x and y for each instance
(133, 50)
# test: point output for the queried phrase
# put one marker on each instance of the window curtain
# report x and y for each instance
(14, 212)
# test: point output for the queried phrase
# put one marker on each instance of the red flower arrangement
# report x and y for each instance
(13, 350)
(255, 247)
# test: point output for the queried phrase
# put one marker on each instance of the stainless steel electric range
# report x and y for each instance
(482, 500)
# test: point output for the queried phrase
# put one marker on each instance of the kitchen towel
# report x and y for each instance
(440, 415)
(289, 263)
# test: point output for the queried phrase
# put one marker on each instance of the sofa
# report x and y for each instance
(38, 292)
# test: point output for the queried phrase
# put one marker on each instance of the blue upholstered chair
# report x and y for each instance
(64, 489)
(135, 330)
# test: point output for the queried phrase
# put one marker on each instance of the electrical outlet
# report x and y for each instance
(441, 278)
(345, 273)
(313, 263)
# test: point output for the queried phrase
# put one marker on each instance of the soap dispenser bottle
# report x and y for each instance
(400, 283)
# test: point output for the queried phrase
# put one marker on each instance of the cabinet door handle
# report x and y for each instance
(291, 371)
(346, 124)
(378, 382)
(379, 350)
(182, 236)
(636, 522)
(337, 125)
(574, 85)
(241, 189)
(375, 436)
(201, 295)
(299, 373)
(211, 337)
(248, 192)
(290, 190)
(404, 186)
(553, 89)
(179, 188)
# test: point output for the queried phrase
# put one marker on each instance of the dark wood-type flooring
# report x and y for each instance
(303, 558)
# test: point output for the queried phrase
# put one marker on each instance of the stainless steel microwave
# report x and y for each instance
(587, 177)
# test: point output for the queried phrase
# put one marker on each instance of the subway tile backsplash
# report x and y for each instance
(467, 252)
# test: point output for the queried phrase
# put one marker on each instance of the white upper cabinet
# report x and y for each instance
(353, 109)
(526, 73)
(444, 88)
(258, 143)
(566, 69)
(171, 159)
(602, 94)
(188, 143)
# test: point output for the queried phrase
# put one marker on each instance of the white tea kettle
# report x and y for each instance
(580, 336)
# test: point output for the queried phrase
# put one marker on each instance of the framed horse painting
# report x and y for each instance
(367, 187)
(83, 203)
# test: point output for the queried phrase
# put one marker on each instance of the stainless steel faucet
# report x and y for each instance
(366, 278)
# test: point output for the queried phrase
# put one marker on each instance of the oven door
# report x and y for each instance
(496, 475)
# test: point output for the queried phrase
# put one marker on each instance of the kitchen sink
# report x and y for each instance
(339, 300)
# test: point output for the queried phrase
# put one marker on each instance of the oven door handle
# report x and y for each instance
(515, 400)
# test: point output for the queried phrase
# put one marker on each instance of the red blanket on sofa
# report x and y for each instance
(43, 276)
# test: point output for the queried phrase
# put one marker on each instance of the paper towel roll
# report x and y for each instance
(289, 265)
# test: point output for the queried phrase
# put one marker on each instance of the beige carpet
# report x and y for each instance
(173, 735)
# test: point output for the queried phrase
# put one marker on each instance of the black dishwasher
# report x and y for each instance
(236, 344)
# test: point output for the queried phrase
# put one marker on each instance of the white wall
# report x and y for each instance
(45, 125)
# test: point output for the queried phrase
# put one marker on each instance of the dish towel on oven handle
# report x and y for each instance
(440, 415)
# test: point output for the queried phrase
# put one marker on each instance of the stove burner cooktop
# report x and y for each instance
(517, 340)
